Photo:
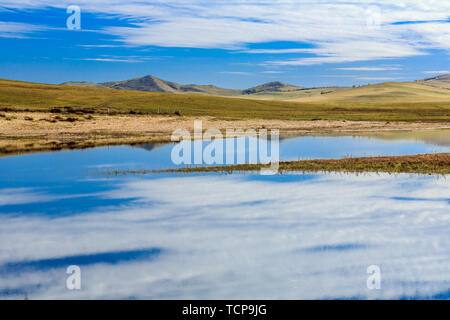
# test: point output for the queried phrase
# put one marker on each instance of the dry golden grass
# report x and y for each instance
(384, 93)
(402, 103)
(39, 117)
(422, 164)
(43, 131)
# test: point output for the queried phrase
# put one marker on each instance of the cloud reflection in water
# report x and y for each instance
(237, 237)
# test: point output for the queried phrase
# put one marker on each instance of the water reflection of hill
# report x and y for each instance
(438, 137)
(150, 146)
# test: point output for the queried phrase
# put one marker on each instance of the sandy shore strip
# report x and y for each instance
(23, 132)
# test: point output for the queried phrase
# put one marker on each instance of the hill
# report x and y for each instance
(442, 81)
(153, 84)
(289, 94)
(270, 87)
(269, 91)
(384, 93)
(281, 91)
(147, 83)
(383, 102)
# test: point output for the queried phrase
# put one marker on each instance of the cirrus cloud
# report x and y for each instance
(338, 32)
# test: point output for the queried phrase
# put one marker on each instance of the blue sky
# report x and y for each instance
(234, 44)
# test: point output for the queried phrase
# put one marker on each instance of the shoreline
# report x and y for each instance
(30, 132)
(427, 164)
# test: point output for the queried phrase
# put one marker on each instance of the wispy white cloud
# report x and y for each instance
(304, 239)
(112, 60)
(99, 45)
(437, 72)
(378, 78)
(342, 31)
(351, 51)
(338, 76)
(276, 51)
(236, 73)
(369, 68)
(18, 30)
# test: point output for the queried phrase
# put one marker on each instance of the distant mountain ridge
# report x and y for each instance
(444, 77)
(274, 86)
(152, 84)
(435, 89)
(442, 81)
(272, 90)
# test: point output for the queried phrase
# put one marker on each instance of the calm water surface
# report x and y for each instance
(213, 236)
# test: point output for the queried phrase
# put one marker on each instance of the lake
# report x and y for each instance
(217, 236)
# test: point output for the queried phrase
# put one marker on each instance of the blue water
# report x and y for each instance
(215, 236)
(37, 169)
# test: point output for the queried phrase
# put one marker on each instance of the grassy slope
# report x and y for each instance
(85, 84)
(426, 103)
(388, 92)
(439, 82)
(292, 94)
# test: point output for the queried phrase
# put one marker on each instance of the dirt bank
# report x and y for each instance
(23, 132)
